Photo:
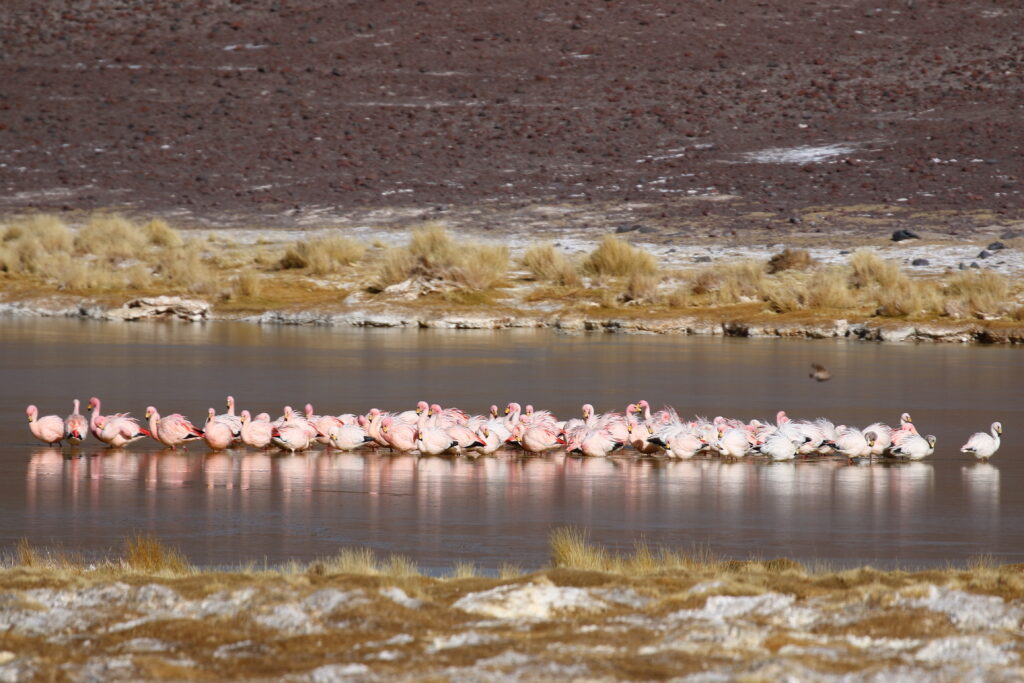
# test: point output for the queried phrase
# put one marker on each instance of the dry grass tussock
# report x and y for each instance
(548, 264)
(433, 253)
(790, 259)
(324, 255)
(616, 257)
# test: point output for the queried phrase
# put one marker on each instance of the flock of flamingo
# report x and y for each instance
(433, 430)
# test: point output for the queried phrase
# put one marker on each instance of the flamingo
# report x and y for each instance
(434, 441)
(117, 431)
(75, 426)
(734, 443)
(778, 447)
(492, 439)
(535, 439)
(399, 435)
(233, 422)
(255, 433)
(983, 445)
(49, 429)
(596, 443)
(217, 433)
(915, 447)
(173, 430)
(853, 443)
(292, 437)
(348, 437)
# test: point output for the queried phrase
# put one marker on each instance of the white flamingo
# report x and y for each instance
(983, 446)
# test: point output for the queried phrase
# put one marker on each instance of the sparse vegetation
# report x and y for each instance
(547, 264)
(790, 259)
(617, 257)
(112, 258)
(147, 554)
(323, 256)
(433, 254)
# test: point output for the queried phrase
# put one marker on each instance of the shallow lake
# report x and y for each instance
(228, 508)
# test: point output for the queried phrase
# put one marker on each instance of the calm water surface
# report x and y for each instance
(229, 508)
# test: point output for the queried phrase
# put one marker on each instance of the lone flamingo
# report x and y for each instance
(983, 446)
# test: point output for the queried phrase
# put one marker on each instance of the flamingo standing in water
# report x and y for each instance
(915, 447)
(399, 435)
(255, 433)
(348, 437)
(117, 431)
(217, 433)
(49, 429)
(75, 426)
(173, 430)
(983, 445)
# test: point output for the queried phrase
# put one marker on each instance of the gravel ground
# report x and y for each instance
(271, 112)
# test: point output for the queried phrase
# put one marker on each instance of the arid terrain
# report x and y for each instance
(705, 120)
(650, 615)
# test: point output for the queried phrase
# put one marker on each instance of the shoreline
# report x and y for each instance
(715, 323)
(590, 614)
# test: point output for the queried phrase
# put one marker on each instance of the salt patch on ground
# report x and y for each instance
(969, 611)
(401, 597)
(965, 651)
(721, 607)
(528, 601)
(804, 154)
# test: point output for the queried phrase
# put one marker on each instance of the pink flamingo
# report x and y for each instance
(49, 429)
(75, 426)
(173, 430)
(117, 431)
(491, 439)
(217, 433)
(400, 436)
(255, 433)
(536, 439)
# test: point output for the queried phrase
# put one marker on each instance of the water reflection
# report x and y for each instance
(390, 496)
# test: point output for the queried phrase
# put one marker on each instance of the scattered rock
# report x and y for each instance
(191, 310)
(919, 262)
(626, 228)
(702, 259)
(1011, 234)
(900, 235)
(984, 253)
(996, 246)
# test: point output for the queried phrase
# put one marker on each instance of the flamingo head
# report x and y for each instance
(385, 426)
(871, 437)
(512, 408)
(642, 405)
(588, 410)
(631, 408)
(150, 412)
(528, 410)
(93, 402)
(31, 411)
(309, 410)
(372, 414)
(997, 427)
(435, 409)
(905, 417)
(209, 415)
(245, 417)
(931, 440)
(422, 407)
(230, 403)
(494, 410)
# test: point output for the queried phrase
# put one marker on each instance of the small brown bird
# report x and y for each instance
(820, 373)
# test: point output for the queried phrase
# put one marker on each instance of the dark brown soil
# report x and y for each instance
(250, 110)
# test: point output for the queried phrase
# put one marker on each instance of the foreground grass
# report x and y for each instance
(650, 613)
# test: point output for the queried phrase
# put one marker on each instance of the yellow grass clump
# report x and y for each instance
(148, 554)
(731, 283)
(548, 264)
(432, 253)
(982, 293)
(790, 259)
(641, 288)
(617, 257)
(324, 255)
